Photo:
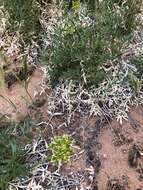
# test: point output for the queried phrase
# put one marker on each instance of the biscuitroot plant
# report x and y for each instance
(61, 148)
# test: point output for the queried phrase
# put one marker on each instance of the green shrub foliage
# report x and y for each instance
(80, 48)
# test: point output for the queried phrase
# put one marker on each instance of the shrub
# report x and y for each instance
(61, 149)
(81, 47)
(11, 159)
(76, 50)
(23, 15)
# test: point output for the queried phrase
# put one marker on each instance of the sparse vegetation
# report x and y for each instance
(92, 50)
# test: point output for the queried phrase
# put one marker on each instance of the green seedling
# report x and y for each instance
(61, 148)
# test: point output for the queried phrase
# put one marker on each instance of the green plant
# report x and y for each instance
(11, 159)
(138, 63)
(76, 5)
(135, 83)
(24, 128)
(23, 14)
(79, 50)
(129, 10)
(135, 77)
(61, 149)
(116, 20)
(76, 49)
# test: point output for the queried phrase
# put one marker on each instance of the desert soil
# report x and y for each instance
(119, 159)
(16, 102)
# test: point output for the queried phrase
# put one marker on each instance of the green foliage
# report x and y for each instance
(129, 10)
(115, 21)
(76, 49)
(129, 7)
(24, 128)
(138, 63)
(76, 5)
(11, 159)
(23, 14)
(135, 83)
(81, 49)
(61, 149)
(135, 78)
